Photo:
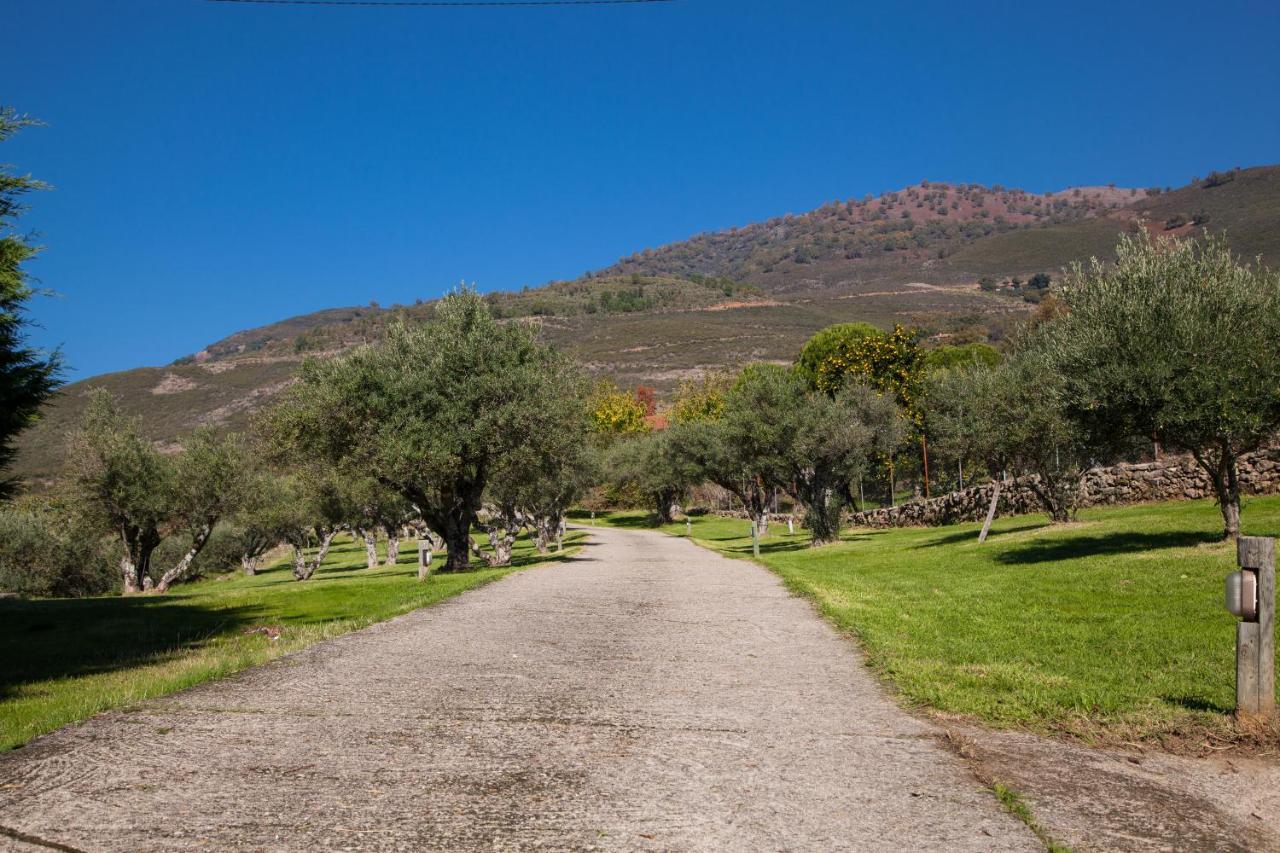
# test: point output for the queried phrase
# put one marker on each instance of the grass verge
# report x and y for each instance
(1109, 629)
(62, 660)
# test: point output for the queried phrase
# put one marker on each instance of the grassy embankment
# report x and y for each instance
(1110, 628)
(65, 659)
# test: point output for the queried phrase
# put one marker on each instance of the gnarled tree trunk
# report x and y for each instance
(179, 571)
(303, 568)
(249, 562)
(393, 545)
(1220, 465)
(135, 564)
(370, 537)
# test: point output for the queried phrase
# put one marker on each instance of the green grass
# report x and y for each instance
(1112, 627)
(1015, 805)
(66, 659)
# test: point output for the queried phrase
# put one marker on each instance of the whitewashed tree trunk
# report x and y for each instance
(370, 547)
(129, 574)
(393, 546)
(991, 511)
(303, 569)
(179, 571)
(762, 523)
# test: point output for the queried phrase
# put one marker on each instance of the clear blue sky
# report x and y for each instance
(219, 166)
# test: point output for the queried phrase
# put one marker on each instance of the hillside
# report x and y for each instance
(720, 299)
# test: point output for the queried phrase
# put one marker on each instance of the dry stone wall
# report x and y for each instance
(1171, 478)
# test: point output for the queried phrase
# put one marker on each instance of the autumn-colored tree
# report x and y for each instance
(614, 412)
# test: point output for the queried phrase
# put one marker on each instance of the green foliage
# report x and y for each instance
(964, 355)
(701, 399)
(829, 343)
(1177, 342)
(27, 376)
(432, 411)
(1011, 418)
(651, 465)
(44, 552)
(124, 487)
(891, 364)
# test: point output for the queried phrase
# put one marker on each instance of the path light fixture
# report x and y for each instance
(1251, 597)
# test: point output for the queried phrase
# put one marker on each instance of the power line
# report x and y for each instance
(455, 4)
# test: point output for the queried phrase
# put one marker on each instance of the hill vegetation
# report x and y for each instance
(752, 293)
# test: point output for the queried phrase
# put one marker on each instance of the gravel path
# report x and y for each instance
(649, 695)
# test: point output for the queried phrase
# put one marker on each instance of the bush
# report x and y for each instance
(44, 552)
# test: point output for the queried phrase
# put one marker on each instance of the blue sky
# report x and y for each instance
(220, 166)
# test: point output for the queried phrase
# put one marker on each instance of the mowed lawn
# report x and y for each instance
(1110, 627)
(62, 660)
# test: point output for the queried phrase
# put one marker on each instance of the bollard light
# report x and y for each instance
(1242, 595)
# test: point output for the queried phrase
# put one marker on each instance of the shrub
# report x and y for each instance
(44, 552)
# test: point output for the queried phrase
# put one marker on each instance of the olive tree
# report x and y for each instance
(129, 489)
(430, 412)
(833, 441)
(1176, 341)
(745, 449)
(653, 465)
(1011, 419)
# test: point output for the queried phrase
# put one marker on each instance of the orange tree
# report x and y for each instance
(892, 364)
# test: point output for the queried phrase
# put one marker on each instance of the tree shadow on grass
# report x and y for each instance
(972, 535)
(1198, 703)
(61, 638)
(1081, 546)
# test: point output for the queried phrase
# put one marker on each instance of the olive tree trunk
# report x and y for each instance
(393, 546)
(370, 537)
(1220, 464)
(303, 568)
(179, 571)
(135, 563)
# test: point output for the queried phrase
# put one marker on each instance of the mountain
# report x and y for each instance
(956, 260)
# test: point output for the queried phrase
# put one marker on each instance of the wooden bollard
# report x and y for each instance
(1256, 632)
(425, 553)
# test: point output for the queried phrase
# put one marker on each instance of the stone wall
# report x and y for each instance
(1171, 478)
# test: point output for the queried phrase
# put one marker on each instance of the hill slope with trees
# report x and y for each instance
(962, 262)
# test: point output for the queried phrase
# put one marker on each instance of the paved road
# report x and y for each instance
(650, 695)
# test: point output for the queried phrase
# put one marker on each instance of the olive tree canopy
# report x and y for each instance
(1176, 342)
(431, 411)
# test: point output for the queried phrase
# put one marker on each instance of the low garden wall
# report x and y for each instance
(1170, 478)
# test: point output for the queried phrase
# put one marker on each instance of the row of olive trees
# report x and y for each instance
(456, 425)
(1175, 343)
(765, 430)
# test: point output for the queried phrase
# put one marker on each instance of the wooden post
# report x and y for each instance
(755, 539)
(688, 526)
(924, 453)
(1256, 639)
(425, 550)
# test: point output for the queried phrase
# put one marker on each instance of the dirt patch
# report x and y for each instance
(1111, 799)
(172, 383)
